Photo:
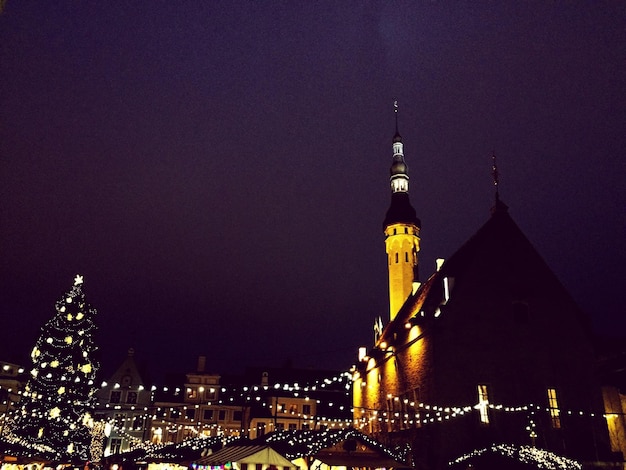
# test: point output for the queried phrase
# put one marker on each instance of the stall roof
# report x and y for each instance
(252, 454)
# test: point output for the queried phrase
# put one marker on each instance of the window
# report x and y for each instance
(131, 397)
(260, 429)
(116, 396)
(221, 415)
(157, 436)
(406, 256)
(553, 407)
(208, 415)
(192, 393)
(237, 415)
(292, 426)
(483, 404)
(306, 409)
(293, 409)
(396, 257)
(280, 426)
(120, 420)
(190, 413)
(138, 422)
(116, 445)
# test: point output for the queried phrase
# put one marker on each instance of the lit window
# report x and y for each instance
(138, 422)
(553, 406)
(157, 436)
(483, 404)
(116, 445)
(192, 393)
(447, 287)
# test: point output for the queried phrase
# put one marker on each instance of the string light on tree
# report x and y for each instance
(59, 399)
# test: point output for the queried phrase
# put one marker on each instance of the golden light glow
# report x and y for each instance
(68, 339)
(402, 246)
(55, 412)
(483, 404)
(553, 405)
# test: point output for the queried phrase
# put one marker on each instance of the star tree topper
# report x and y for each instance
(78, 280)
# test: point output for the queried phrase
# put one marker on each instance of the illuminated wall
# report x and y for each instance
(402, 246)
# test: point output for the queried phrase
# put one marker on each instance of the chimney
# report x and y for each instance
(201, 363)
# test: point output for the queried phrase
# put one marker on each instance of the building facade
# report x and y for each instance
(124, 404)
(489, 349)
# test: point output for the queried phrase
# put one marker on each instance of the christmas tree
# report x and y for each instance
(57, 405)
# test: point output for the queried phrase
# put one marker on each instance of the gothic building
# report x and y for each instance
(490, 349)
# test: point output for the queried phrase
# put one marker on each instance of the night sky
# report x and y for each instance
(218, 171)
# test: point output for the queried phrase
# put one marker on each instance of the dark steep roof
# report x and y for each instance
(498, 254)
(401, 211)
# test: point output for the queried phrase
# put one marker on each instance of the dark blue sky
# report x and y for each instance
(218, 171)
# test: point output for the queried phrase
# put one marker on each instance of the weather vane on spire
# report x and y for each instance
(395, 111)
(494, 173)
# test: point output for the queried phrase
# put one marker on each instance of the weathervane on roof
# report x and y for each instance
(494, 173)
(395, 111)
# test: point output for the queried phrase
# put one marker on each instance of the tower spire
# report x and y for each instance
(395, 111)
(402, 228)
(494, 173)
(499, 205)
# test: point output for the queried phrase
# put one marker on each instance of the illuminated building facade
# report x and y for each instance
(489, 349)
(258, 402)
(123, 403)
(13, 378)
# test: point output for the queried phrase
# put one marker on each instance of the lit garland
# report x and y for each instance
(56, 405)
(429, 414)
(306, 443)
(525, 454)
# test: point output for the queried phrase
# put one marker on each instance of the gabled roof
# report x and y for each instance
(250, 454)
(498, 250)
